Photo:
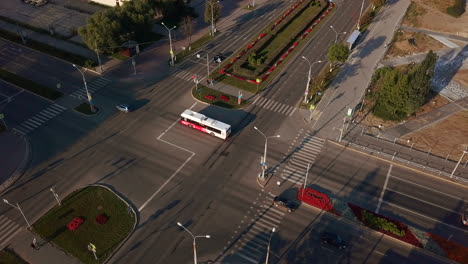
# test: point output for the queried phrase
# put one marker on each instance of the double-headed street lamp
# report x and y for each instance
(194, 239)
(264, 166)
(336, 33)
(171, 51)
(269, 242)
(21, 211)
(306, 93)
(86, 89)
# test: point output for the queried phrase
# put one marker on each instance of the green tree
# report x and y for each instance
(212, 6)
(420, 84)
(337, 52)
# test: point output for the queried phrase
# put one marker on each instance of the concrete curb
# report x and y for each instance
(21, 168)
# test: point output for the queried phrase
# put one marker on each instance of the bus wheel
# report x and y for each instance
(190, 126)
(212, 134)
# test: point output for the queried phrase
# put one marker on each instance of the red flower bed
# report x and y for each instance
(453, 250)
(408, 237)
(224, 98)
(316, 199)
(101, 219)
(210, 97)
(75, 223)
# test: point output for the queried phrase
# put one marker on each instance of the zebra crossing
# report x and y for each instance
(39, 119)
(8, 229)
(252, 245)
(187, 75)
(274, 106)
(304, 154)
(93, 86)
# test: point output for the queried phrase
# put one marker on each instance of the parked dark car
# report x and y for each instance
(284, 204)
(333, 239)
(465, 217)
(124, 108)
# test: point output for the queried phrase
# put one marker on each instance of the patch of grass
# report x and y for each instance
(39, 46)
(230, 104)
(413, 13)
(84, 108)
(29, 85)
(197, 44)
(87, 204)
(118, 55)
(8, 256)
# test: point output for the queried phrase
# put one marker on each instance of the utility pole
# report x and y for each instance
(360, 14)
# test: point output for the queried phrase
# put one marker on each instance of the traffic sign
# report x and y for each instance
(312, 107)
(2, 116)
(59, 85)
(350, 111)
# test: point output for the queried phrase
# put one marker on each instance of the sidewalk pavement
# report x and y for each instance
(427, 119)
(47, 253)
(15, 152)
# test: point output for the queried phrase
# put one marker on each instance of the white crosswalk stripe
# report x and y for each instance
(304, 154)
(274, 106)
(39, 119)
(8, 229)
(93, 86)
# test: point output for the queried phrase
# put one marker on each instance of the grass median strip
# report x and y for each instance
(29, 85)
(214, 97)
(8, 256)
(107, 221)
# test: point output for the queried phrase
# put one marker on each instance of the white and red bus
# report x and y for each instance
(205, 124)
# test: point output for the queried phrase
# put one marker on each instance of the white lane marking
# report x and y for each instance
(412, 197)
(383, 190)
(410, 182)
(177, 171)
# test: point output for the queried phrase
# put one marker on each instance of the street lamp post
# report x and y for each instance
(458, 163)
(171, 51)
(262, 176)
(269, 242)
(21, 211)
(86, 89)
(336, 33)
(194, 241)
(308, 78)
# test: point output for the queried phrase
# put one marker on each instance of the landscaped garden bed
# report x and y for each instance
(8, 256)
(85, 109)
(453, 250)
(214, 97)
(90, 205)
(385, 225)
(316, 199)
(255, 63)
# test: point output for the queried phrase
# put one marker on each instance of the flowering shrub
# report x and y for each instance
(385, 225)
(101, 219)
(224, 98)
(210, 97)
(453, 250)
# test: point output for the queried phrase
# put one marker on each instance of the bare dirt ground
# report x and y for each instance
(407, 43)
(444, 137)
(431, 15)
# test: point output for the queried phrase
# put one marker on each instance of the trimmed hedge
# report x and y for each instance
(381, 223)
(29, 85)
